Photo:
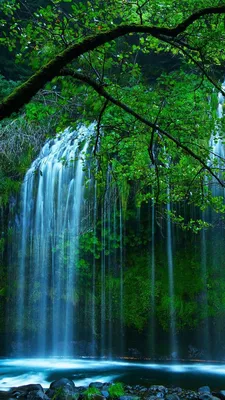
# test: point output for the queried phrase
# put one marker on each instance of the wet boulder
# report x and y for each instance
(207, 396)
(153, 397)
(189, 395)
(50, 393)
(80, 389)
(22, 391)
(220, 394)
(177, 390)
(63, 383)
(172, 396)
(64, 389)
(204, 389)
(158, 388)
(37, 395)
(105, 393)
(129, 398)
(98, 397)
(97, 385)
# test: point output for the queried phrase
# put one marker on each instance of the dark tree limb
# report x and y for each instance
(198, 64)
(102, 92)
(24, 93)
(192, 181)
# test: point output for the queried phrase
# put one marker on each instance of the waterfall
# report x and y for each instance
(217, 233)
(103, 280)
(52, 198)
(172, 311)
(121, 261)
(93, 313)
(205, 330)
(208, 249)
(152, 277)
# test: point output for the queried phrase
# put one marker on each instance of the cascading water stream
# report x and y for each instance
(93, 313)
(217, 158)
(205, 339)
(173, 345)
(103, 280)
(208, 248)
(152, 268)
(52, 201)
(121, 282)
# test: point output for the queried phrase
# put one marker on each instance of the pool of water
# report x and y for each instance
(16, 372)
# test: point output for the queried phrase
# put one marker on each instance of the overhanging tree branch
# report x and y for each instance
(198, 64)
(102, 92)
(24, 93)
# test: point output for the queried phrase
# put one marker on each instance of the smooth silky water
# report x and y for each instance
(15, 372)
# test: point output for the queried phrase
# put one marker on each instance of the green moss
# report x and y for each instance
(91, 391)
(116, 390)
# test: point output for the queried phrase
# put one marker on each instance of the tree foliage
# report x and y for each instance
(113, 48)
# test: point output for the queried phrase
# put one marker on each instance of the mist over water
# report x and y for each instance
(82, 372)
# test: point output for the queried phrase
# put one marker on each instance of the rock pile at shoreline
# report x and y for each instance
(65, 389)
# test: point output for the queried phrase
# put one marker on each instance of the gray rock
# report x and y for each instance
(204, 396)
(143, 390)
(137, 387)
(22, 391)
(98, 397)
(5, 396)
(207, 396)
(97, 385)
(204, 389)
(62, 394)
(25, 389)
(64, 389)
(37, 395)
(189, 395)
(177, 390)
(151, 398)
(158, 388)
(80, 389)
(75, 396)
(105, 393)
(50, 393)
(172, 397)
(220, 395)
(129, 398)
(66, 384)
(106, 385)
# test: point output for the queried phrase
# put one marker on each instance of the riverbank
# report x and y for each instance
(65, 389)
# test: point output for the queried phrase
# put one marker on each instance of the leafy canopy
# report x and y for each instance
(170, 80)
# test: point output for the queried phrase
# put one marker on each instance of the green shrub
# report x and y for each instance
(59, 393)
(88, 393)
(116, 390)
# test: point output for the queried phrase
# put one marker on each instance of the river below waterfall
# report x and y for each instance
(15, 372)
